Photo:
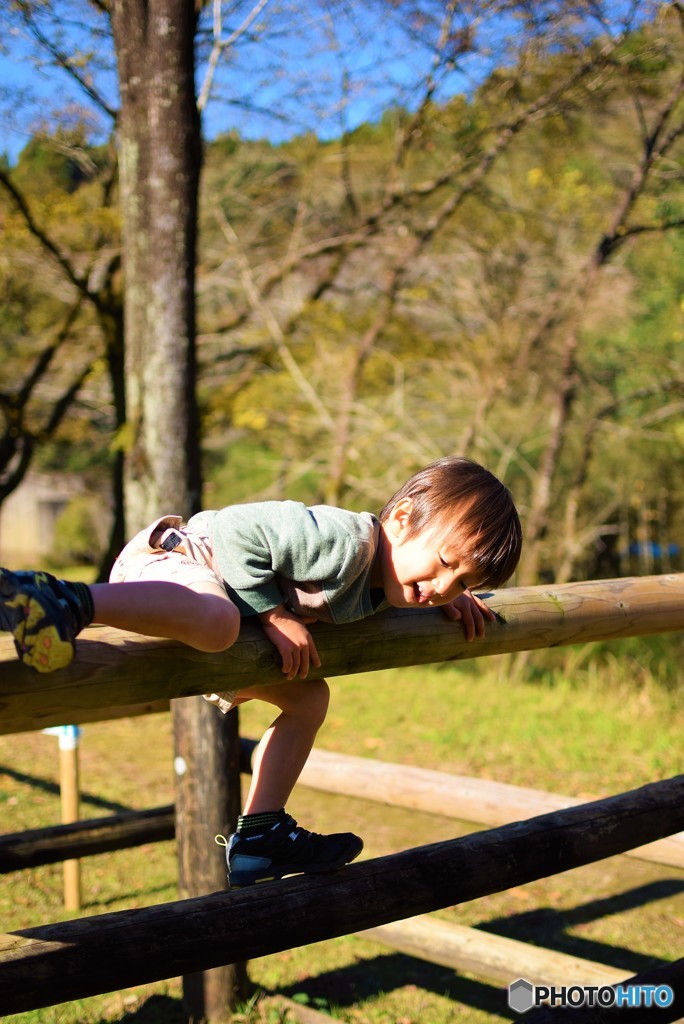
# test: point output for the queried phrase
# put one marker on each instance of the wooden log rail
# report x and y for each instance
(422, 789)
(495, 957)
(74, 959)
(115, 669)
(55, 843)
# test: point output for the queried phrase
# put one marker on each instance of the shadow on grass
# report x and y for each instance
(157, 1010)
(53, 788)
(357, 983)
(368, 979)
(546, 927)
(167, 889)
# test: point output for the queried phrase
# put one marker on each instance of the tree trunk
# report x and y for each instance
(160, 158)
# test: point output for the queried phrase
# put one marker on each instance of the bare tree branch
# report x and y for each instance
(18, 441)
(221, 45)
(276, 332)
(79, 282)
(65, 61)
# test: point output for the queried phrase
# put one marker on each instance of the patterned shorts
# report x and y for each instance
(154, 554)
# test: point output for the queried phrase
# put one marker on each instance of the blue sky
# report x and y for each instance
(275, 89)
(288, 82)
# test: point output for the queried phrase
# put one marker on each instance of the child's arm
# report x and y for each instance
(471, 611)
(288, 633)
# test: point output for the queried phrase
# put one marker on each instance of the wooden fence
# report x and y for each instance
(421, 789)
(69, 960)
(53, 963)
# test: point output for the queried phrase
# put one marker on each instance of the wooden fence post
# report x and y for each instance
(70, 799)
(207, 783)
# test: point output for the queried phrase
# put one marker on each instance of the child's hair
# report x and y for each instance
(457, 497)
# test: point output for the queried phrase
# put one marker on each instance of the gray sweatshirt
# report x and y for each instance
(316, 560)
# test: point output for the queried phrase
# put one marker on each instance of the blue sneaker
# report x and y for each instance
(44, 615)
(285, 849)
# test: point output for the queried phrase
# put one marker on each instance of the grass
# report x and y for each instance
(581, 729)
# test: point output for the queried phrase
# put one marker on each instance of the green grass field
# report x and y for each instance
(583, 726)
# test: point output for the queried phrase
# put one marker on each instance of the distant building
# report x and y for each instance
(28, 517)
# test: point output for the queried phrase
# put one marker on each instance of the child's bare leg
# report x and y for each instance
(268, 843)
(201, 615)
(286, 745)
(45, 614)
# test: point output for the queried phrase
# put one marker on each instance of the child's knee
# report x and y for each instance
(218, 624)
(314, 702)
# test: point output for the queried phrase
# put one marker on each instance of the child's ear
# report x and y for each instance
(399, 517)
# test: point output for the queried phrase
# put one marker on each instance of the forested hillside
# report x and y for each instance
(500, 275)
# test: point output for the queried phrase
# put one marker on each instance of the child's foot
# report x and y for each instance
(285, 848)
(44, 615)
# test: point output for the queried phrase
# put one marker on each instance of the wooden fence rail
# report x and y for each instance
(115, 669)
(451, 796)
(486, 954)
(425, 937)
(55, 843)
(73, 959)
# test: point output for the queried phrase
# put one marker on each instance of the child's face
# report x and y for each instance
(422, 569)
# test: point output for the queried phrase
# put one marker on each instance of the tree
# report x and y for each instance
(159, 142)
(379, 208)
(659, 129)
(83, 268)
(160, 157)
(515, 202)
(160, 147)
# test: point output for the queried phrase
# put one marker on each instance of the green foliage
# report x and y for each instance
(64, 161)
(469, 306)
(225, 146)
(79, 534)
(411, 288)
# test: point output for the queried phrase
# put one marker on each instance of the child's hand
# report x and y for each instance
(288, 633)
(471, 611)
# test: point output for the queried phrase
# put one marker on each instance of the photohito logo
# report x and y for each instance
(523, 995)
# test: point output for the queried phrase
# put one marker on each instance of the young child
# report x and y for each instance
(452, 527)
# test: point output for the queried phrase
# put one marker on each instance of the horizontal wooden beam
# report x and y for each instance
(73, 959)
(399, 785)
(453, 796)
(487, 955)
(114, 668)
(427, 938)
(56, 843)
